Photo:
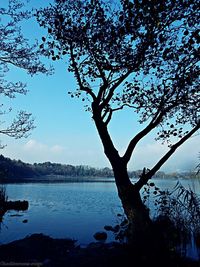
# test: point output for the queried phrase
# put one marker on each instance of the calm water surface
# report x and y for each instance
(75, 210)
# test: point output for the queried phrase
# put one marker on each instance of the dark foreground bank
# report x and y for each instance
(41, 250)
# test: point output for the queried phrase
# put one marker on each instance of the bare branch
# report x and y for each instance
(20, 126)
(15, 50)
(122, 106)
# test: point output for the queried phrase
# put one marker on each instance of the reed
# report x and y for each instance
(3, 195)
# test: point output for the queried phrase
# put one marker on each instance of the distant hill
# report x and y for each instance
(11, 169)
(16, 170)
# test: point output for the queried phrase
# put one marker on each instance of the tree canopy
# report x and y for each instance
(143, 55)
(16, 51)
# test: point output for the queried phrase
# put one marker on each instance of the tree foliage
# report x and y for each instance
(16, 51)
(142, 55)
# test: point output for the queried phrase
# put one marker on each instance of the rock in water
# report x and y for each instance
(16, 205)
(101, 236)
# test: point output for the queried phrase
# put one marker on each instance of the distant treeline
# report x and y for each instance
(16, 169)
(11, 169)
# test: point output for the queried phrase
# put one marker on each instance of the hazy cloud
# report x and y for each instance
(35, 146)
(35, 151)
(185, 158)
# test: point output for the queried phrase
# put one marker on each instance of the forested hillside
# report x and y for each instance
(17, 170)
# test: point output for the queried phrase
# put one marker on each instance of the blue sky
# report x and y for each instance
(65, 133)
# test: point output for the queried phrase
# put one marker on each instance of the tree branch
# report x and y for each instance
(112, 89)
(122, 106)
(109, 148)
(109, 117)
(146, 176)
(154, 122)
(161, 112)
(103, 77)
(82, 87)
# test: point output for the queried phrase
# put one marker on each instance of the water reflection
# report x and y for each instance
(73, 210)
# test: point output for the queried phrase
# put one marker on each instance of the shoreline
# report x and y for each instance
(73, 179)
(47, 251)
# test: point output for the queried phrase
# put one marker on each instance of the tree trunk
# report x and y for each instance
(135, 210)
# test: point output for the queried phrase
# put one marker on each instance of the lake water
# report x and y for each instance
(61, 210)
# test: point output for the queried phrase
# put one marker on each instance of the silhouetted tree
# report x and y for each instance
(140, 54)
(15, 51)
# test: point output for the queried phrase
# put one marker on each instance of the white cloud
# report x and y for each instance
(33, 145)
(35, 151)
(57, 149)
